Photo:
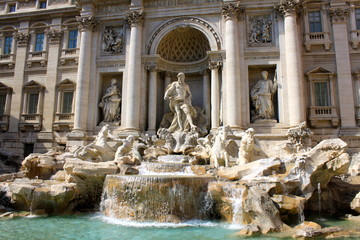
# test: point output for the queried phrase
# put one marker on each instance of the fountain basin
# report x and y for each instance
(166, 168)
(156, 198)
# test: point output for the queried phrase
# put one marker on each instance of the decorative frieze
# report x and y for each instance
(170, 3)
(26, 3)
(339, 15)
(135, 18)
(286, 7)
(151, 66)
(113, 40)
(87, 23)
(54, 35)
(22, 38)
(232, 11)
(260, 30)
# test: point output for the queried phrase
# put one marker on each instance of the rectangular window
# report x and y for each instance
(67, 102)
(33, 103)
(39, 42)
(72, 38)
(357, 17)
(42, 4)
(315, 21)
(12, 8)
(322, 96)
(2, 103)
(7, 45)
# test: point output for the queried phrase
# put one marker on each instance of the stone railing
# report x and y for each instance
(37, 57)
(355, 38)
(69, 54)
(318, 114)
(63, 121)
(7, 59)
(28, 120)
(317, 38)
(4, 123)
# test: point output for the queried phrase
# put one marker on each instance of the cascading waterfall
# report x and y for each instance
(171, 194)
(236, 196)
(319, 199)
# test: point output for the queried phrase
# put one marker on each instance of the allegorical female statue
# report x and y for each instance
(110, 103)
(179, 96)
(261, 95)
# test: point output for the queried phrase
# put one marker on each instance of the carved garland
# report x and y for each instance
(87, 23)
(232, 10)
(21, 38)
(54, 35)
(185, 20)
(339, 15)
(286, 7)
(135, 18)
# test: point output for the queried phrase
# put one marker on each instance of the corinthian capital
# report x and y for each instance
(87, 23)
(22, 38)
(135, 18)
(286, 7)
(215, 64)
(339, 15)
(54, 35)
(232, 11)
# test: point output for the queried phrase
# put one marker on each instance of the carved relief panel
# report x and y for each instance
(113, 39)
(260, 30)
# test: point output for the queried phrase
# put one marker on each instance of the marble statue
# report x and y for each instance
(261, 95)
(298, 136)
(99, 149)
(221, 148)
(179, 96)
(128, 152)
(247, 147)
(110, 103)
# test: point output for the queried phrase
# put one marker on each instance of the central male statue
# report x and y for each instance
(179, 96)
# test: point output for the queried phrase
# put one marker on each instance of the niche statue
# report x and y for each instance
(261, 96)
(179, 96)
(110, 103)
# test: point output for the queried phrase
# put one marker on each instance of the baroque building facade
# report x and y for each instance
(62, 62)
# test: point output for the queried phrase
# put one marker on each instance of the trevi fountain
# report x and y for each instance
(185, 183)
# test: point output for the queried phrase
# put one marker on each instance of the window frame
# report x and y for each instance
(11, 7)
(313, 23)
(40, 2)
(8, 47)
(39, 42)
(69, 39)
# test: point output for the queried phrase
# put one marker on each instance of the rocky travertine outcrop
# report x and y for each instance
(9, 162)
(43, 166)
(355, 204)
(42, 197)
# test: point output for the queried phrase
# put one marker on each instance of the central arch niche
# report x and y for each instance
(184, 45)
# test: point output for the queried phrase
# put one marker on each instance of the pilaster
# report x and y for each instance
(215, 94)
(339, 19)
(21, 40)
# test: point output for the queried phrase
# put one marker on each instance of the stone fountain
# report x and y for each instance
(183, 174)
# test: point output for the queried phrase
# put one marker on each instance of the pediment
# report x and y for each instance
(319, 70)
(33, 84)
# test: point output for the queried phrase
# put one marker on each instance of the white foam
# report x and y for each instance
(191, 223)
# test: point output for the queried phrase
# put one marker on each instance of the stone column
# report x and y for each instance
(152, 109)
(54, 36)
(206, 92)
(22, 39)
(215, 94)
(166, 84)
(339, 18)
(290, 9)
(132, 105)
(86, 27)
(231, 13)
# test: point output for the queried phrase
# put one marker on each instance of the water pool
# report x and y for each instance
(98, 227)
